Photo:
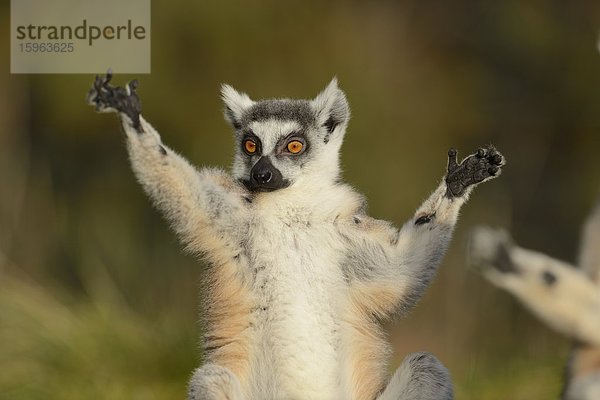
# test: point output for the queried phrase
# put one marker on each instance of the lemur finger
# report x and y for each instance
(452, 164)
(493, 170)
(496, 159)
(108, 76)
(487, 172)
(98, 82)
(494, 156)
(95, 90)
(133, 85)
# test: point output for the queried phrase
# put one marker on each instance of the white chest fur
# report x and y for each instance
(294, 262)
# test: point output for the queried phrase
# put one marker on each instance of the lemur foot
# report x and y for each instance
(213, 382)
(421, 376)
(108, 98)
(490, 249)
(476, 168)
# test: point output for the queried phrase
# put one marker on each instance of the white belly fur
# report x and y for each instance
(297, 323)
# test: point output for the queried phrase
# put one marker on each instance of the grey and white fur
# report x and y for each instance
(565, 297)
(299, 276)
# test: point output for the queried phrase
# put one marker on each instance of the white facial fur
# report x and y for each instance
(321, 122)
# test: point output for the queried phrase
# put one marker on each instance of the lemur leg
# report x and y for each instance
(558, 293)
(190, 199)
(212, 382)
(421, 376)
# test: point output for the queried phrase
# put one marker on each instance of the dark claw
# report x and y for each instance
(479, 167)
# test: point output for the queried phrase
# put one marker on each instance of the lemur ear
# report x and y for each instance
(235, 105)
(331, 107)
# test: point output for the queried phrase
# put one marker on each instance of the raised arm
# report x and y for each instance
(201, 206)
(391, 268)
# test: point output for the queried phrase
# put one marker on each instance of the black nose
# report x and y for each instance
(262, 176)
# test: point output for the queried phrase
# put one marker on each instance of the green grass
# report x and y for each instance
(519, 379)
(55, 347)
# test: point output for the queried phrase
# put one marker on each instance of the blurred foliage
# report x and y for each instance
(96, 298)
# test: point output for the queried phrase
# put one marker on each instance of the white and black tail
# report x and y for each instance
(567, 298)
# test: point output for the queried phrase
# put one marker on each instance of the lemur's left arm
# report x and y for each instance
(390, 269)
(193, 201)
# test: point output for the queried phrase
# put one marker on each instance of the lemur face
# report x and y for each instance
(280, 143)
(275, 143)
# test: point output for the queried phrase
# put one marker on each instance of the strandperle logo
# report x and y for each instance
(80, 36)
(84, 31)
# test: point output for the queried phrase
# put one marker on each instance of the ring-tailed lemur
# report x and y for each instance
(300, 276)
(565, 297)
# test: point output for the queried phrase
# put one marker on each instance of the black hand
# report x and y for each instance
(478, 167)
(125, 100)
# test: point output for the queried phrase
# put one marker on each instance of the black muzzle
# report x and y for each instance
(264, 177)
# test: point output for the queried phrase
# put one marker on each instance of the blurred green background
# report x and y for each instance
(98, 301)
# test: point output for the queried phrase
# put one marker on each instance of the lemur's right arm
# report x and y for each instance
(193, 201)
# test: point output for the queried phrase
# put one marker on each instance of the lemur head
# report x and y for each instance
(285, 142)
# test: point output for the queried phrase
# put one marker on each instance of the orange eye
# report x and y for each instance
(295, 146)
(249, 146)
